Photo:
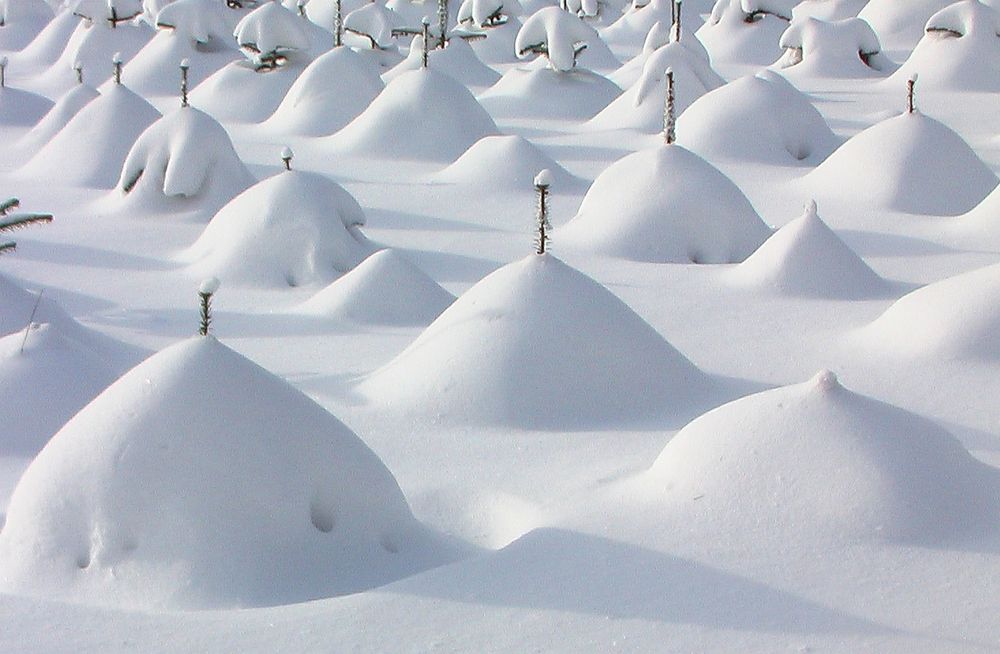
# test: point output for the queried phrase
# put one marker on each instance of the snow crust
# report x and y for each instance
(144, 498)
(518, 348)
(665, 204)
(292, 229)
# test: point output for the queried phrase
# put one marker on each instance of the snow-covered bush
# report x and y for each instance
(483, 14)
(10, 221)
(557, 35)
(270, 34)
(842, 48)
(375, 23)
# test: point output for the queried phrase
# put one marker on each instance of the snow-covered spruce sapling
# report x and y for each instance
(910, 83)
(286, 157)
(669, 110)
(426, 38)
(12, 221)
(3, 72)
(442, 7)
(543, 181)
(78, 69)
(675, 21)
(338, 24)
(116, 61)
(185, 66)
(113, 11)
(205, 292)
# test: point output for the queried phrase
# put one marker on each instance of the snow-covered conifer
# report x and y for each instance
(542, 183)
(206, 290)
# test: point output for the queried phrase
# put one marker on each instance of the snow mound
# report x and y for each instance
(92, 147)
(503, 162)
(665, 204)
(237, 92)
(824, 461)
(957, 317)
(539, 345)
(739, 32)
(641, 106)
(270, 28)
(497, 46)
(458, 61)
(635, 23)
(842, 48)
(44, 385)
(21, 21)
(760, 118)
(960, 51)
(561, 34)
(93, 45)
(657, 38)
(20, 108)
(68, 106)
(422, 114)
(201, 480)
(828, 10)
(537, 91)
(900, 25)
(908, 163)
(184, 161)
(51, 41)
(331, 92)
(291, 229)
(373, 23)
(806, 258)
(384, 289)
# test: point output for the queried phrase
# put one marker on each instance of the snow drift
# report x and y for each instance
(201, 480)
(539, 345)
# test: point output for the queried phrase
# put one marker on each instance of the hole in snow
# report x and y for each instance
(389, 545)
(322, 517)
(83, 561)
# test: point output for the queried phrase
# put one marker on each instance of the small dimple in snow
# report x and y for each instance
(389, 545)
(322, 517)
(83, 560)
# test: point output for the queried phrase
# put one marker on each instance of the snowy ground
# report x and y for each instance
(565, 554)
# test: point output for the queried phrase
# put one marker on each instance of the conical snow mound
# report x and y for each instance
(291, 229)
(201, 480)
(57, 118)
(666, 204)
(828, 463)
(909, 163)
(422, 114)
(805, 258)
(331, 92)
(957, 317)
(184, 161)
(90, 150)
(21, 108)
(385, 289)
(43, 385)
(503, 162)
(537, 91)
(758, 118)
(539, 345)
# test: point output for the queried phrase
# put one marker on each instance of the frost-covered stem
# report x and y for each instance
(286, 157)
(910, 105)
(669, 121)
(542, 217)
(184, 82)
(31, 319)
(206, 313)
(3, 72)
(675, 26)
(426, 38)
(114, 17)
(117, 61)
(301, 6)
(442, 23)
(79, 72)
(338, 25)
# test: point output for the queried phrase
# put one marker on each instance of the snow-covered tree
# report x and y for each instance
(483, 14)
(110, 12)
(269, 34)
(194, 19)
(543, 181)
(374, 22)
(12, 221)
(557, 35)
(206, 290)
(837, 48)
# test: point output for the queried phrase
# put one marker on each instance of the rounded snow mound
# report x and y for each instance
(43, 384)
(900, 25)
(960, 51)
(19, 108)
(665, 204)
(806, 258)
(185, 160)
(92, 147)
(759, 118)
(291, 229)
(957, 317)
(21, 21)
(537, 91)
(829, 10)
(57, 118)
(201, 480)
(824, 461)
(539, 345)
(841, 48)
(641, 106)
(503, 162)
(908, 163)
(745, 31)
(331, 92)
(422, 114)
(458, 60)
(237, 92)
(384, 289)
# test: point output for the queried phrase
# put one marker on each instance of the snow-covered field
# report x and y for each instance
(745, 401)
